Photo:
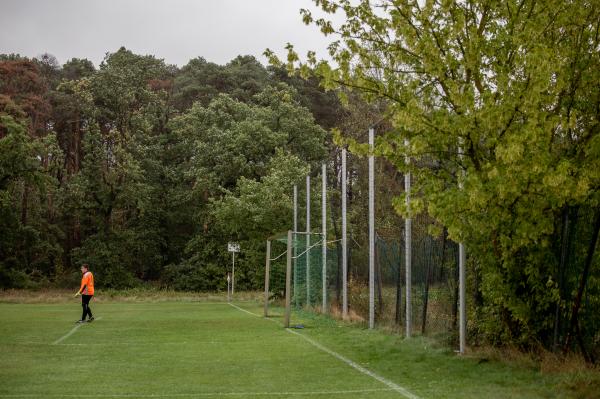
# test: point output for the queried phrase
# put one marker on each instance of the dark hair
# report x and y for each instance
(85, 265)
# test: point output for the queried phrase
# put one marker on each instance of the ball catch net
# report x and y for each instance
(302, 271)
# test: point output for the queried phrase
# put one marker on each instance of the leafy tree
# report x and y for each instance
(77, 68)
(34, 158)
(234, 146)
(499, 102)
(232, 139)
(202, 81)
(114, 192)
(259, 209)
(324, 105)
(23, 90)
(67, 112)
(28, 237)
(122, 87)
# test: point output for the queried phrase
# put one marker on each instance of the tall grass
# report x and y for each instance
(143, 294)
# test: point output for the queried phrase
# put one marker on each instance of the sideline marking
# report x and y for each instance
(67, 335)
(201, 394)
(133, 343)
(246, 311)
(358, 367)
(391, 385)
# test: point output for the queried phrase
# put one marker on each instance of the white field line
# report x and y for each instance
(149, 303)
(133, 343)
(153, 303)
(391, 385)
(182, 302)
(246, 311)
(198, 395)
(388, 383)
(67, 335)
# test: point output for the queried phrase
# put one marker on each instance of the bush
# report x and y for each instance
(107, 261)
(11, 278)
(194, 277)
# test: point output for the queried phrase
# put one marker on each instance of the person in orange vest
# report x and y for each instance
(87, 292)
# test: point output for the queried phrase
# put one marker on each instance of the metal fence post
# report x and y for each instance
(408, 249)
(288, 284)
(295, 268)
(324, 232)
(371, 228)
(344, 240)
(267, 271)
(308, 240)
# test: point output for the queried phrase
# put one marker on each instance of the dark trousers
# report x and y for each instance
(85, 304)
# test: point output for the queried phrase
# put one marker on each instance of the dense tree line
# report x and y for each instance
(145, 170)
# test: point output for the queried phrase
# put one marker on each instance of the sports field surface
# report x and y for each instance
(215, 349)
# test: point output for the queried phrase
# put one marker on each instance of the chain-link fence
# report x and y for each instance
(434, 281)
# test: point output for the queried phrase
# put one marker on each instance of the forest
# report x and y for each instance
(146, 171)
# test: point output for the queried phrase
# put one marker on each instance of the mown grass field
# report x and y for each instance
(206, 349)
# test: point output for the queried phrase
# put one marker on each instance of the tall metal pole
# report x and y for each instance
(295, 272)
(307, 240)
(462, 260)
(288, 271)
(233, 274)
(267, 271)
(371, 229)
(408, 249)
(324, 231)
(295, 208)
(228, 287)
(344, 240)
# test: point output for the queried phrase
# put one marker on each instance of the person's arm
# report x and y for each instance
(84, 281)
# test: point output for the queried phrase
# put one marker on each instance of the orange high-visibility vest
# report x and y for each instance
(87, 284)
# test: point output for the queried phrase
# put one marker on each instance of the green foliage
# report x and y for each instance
(245, 159)
(28, 240)
(201, 81)
(110, 257)
(135, 167)
(233, 139)
(188, 276)
(257, 208)
(18, 161)
(499, 104)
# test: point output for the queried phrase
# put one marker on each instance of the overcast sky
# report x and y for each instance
(175, 30)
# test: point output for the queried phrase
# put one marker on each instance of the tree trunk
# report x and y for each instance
(582, 283)
(559, 273)
(586, 355)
